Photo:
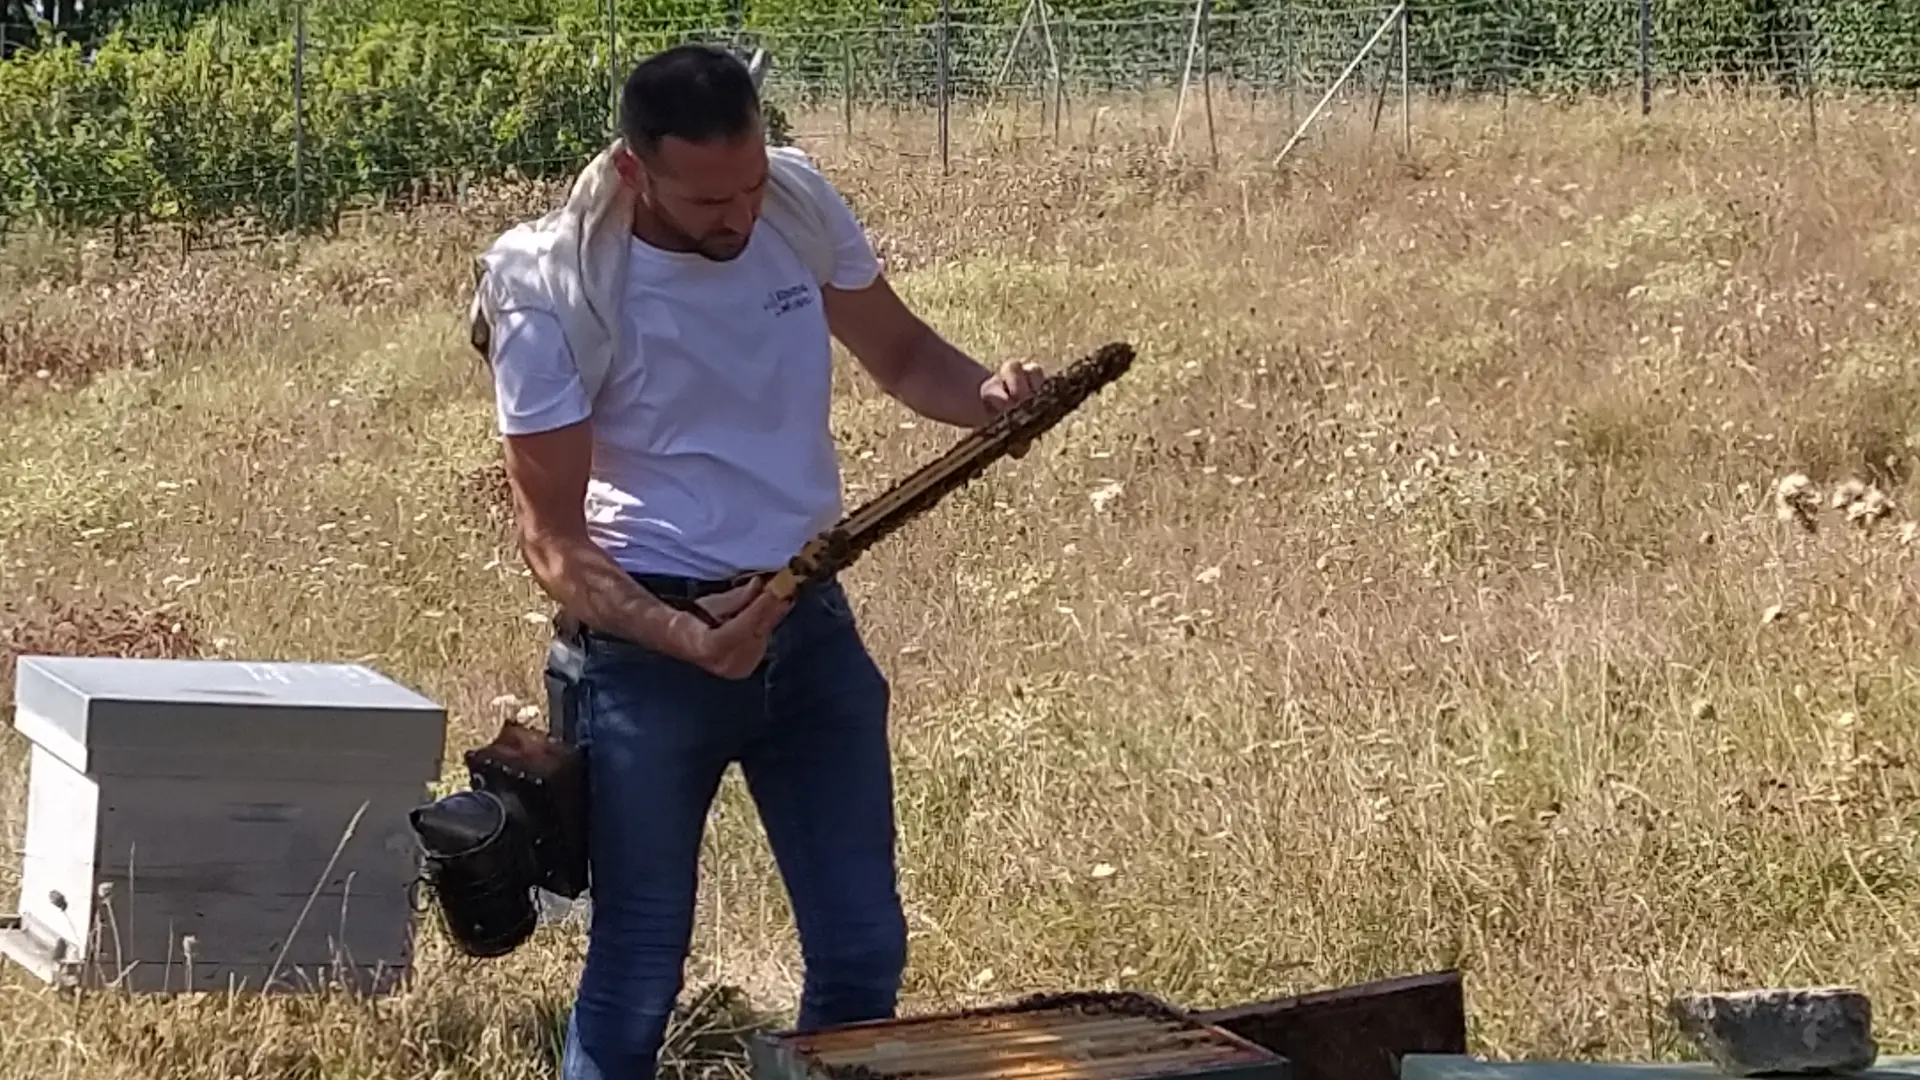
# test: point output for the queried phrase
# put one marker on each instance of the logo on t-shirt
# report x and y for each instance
(792, 298)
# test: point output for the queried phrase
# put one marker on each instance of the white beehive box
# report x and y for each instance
(204, 824)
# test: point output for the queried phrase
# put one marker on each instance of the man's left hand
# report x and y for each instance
(1015, 381)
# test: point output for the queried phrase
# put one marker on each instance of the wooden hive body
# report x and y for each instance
(202, 825)
(1084, 1036)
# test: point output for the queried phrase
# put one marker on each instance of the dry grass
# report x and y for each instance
(1426, 596)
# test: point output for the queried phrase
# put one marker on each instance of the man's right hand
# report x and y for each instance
(732, 650)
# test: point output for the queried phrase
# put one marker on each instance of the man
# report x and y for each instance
(707, 456)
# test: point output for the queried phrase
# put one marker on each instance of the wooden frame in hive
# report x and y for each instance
(1077, 1036)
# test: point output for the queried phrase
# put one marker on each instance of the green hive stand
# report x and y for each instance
(1466, 1067)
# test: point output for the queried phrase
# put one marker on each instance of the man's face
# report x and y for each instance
(709, 193)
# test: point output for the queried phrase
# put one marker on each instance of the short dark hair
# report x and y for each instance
(693, 92)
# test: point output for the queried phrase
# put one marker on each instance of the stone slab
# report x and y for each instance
(1784, 1031)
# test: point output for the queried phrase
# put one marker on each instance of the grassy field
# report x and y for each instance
(1425, 597)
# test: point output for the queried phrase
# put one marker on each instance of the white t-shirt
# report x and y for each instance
(712, 451)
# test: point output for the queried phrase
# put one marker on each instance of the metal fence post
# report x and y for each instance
(943, 42)
(299, 111)
(1646, 57)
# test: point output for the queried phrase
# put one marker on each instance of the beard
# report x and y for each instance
(724, 246)
(720, 245)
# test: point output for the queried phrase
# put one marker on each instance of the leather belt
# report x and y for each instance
(677, 592)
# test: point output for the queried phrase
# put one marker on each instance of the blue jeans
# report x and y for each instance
(809, 729)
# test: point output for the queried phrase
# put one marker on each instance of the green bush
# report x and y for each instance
(204, 127)
(203, 130)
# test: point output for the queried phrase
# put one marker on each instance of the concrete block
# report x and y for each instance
(1813, 1030)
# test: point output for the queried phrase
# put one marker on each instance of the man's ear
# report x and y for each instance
(628, 166)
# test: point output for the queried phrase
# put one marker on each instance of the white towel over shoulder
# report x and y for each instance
(572, 261)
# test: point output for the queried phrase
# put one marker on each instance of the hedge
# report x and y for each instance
(196, 124)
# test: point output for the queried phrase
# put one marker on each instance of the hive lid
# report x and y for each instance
(1080, 1036)
(79, 708)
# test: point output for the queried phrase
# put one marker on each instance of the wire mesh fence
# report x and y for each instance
(284, 112)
